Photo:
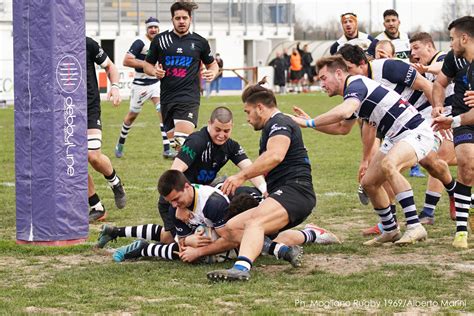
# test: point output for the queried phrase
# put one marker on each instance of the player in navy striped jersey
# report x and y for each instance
(399, 39)
(351, 34)
(413, 87)
(407, 139)
(175, 57)
(144, 87)
(428, 61)
(458, 66)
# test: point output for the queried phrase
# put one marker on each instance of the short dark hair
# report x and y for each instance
(171, 180)
(258, 94)
(222, 114)
(353, 54)
(187, 6)
(241, 203)
(332, 62)
(390, 12)
(464, 24)
(386, 42)
(422, 37)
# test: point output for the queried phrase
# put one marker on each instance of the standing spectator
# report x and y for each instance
(279, 65)
(306, 60)
(216, 83)
(296, 68)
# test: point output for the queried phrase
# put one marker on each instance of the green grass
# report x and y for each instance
(426, 277)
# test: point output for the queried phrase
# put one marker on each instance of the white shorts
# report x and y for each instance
(421, 139)
(139, 94)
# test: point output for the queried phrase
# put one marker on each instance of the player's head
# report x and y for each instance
(461, 32)
(355, 59)
(349, 24)
(257, 100)
(422, 48)
(181, 16)
(175, 188)
(391, 22)
(241, 203)
(332, 72)
(384, 49)
(152, 27)
(220, 125)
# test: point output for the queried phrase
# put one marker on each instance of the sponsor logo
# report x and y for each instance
(188, 151)
(193, 46)
(69, 134)
(179, 50)
(190, 115)
(206, 176)
(241, 151)
(463, 137)
(275, 128)
(69, 74)
(411, 72)
(278, 192)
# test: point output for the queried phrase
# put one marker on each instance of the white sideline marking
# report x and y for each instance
(331, 194)
(7, 184)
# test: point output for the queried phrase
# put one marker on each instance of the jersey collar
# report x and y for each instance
(390, 37)
(193, 206)
(346, 82)
(369, 70)
(434, 58)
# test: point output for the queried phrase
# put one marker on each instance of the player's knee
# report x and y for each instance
(388, 167)
(93, 156)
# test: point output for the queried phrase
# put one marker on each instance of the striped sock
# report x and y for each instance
(95, 203)
(164, 251)
(310, 235)
(450, 187)
(407, 202)
(393, 209)
(124, 132)
(180, 138)
(431, 200)
(166, 142)
(462, 198)
(148, 231)
(113, 179)
(243, 264)
(386, 217)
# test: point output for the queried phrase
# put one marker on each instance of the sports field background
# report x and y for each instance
(426, 277)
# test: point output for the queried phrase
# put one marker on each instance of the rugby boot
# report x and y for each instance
(230, 275)
(416, 172)
(363, 197)
(460, 240)
(412, 235)
(119, 195)
(294, 255)
(170, 154)
(107, 233)
(323, 236)
(97, 215)
(385, 237)
(119, 150)
(131, 251)
(374, 230)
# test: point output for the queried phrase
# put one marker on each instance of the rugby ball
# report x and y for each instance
(221, 257)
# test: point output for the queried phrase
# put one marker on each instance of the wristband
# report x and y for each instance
(262, 187)
(456, 121)
(310, 123)
(115, 85)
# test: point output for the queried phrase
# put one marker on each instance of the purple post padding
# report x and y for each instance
(50, 120)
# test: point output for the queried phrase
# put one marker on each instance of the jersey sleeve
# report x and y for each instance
(136, 47)
(216, 209)
(97, 53)
(333, 49)
(449, 65)
(237, 153)
(206, 55)
(192, 149)
(182, 230)
(281, 126)
(397, 71)
(153, 52)
(356, 90)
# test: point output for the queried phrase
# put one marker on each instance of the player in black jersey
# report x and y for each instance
(459, 66)
(175, 57)
(99, 161)
(284, 162)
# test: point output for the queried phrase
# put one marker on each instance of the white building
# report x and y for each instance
(243, 32)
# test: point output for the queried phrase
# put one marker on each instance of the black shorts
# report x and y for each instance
(463, 135)
(93, 119)
(297, 199)
(296, 74)
(164, 208)
(185, 112)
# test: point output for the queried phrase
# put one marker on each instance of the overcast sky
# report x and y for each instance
(426, 13)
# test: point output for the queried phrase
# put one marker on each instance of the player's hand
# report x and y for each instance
(232, 183)
(420, 68)
(159, 71)
(114, 96)
(197, 240)
(469, 98)
(437, 111)
(189, 254)
(208, 75)
(300, 113)
(364, 165)
(382, 54)
(441, 122)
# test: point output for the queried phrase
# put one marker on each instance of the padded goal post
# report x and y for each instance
(50, 121)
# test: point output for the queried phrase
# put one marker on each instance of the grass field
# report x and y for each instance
(427, 277)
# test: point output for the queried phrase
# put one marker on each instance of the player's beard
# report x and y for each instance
(179, 30)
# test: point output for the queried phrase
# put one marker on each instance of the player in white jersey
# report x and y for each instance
(400, 40)
(413, 87)
(351, 34)
(144, 87)
(428, 61)
(407, 139)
